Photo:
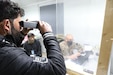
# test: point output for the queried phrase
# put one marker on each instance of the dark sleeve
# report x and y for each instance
(54, 55)
(19, 63)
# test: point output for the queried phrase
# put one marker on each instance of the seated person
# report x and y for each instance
(68, 46)
(32, 45)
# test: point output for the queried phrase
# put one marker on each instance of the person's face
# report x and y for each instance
(69, 40)
(16, 23)
(31, 39)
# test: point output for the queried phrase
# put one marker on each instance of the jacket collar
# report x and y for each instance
(6, 41)
(1, 38)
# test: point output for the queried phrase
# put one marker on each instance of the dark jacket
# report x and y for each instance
(36, 47)
(15, 61)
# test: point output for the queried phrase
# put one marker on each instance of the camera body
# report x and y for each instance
(31, 24)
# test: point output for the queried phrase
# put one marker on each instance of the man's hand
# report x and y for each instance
(74, 56)
(44, 27)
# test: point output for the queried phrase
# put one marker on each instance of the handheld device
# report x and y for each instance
(31, 24)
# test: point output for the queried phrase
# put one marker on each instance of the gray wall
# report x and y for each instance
(53, 14)
(60, 18)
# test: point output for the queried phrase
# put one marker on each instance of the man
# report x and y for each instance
(68, 46)
(32, 45)
(14, 60)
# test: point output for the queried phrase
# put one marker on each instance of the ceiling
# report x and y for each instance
(29, 2)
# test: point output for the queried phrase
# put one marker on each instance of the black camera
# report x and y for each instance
(31, 24)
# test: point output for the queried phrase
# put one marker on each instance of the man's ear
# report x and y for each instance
(7, 24)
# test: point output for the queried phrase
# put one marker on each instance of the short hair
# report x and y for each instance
(9, 10)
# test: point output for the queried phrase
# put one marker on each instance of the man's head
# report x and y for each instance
(10, 15)
(31, 37)
(69, 39)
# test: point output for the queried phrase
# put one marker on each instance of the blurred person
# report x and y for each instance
(15, 60)
(68, 46)
(32, 45)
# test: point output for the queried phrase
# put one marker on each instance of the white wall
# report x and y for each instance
(84, 19)
(32, 12)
